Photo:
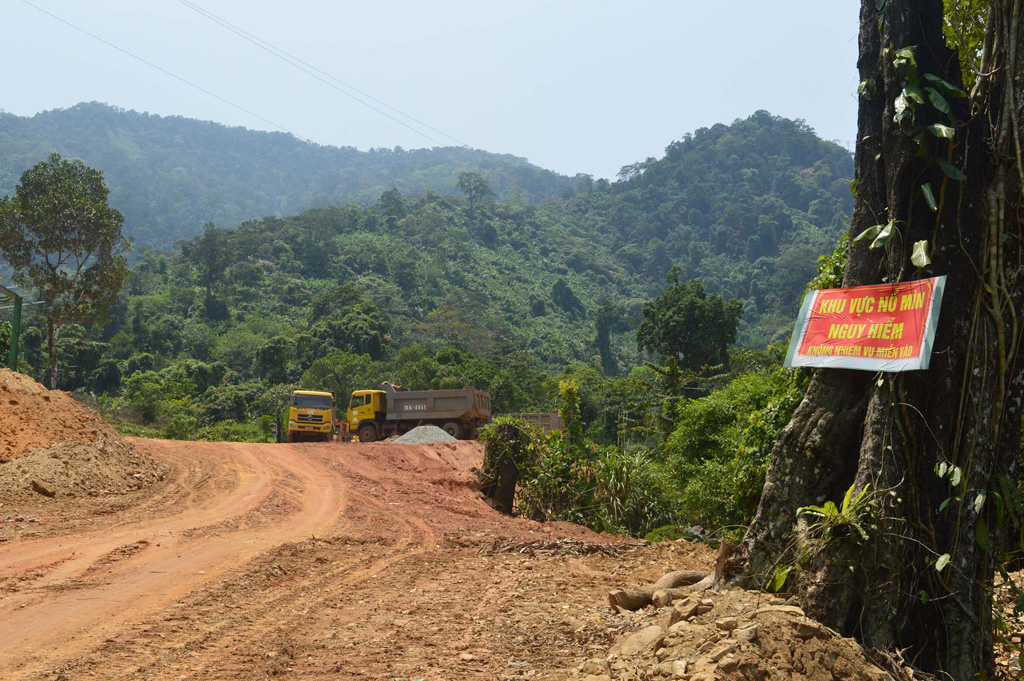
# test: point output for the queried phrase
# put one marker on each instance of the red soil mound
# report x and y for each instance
(53, 446)
(32, 417)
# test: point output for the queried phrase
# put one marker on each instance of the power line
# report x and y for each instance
(353, 158)
(165, 71)
(321, 75)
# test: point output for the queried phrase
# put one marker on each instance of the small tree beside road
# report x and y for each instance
(65, 242)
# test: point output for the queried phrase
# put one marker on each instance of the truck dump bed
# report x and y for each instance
(548, 420)
(467, 404)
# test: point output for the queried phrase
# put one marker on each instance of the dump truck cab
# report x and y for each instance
(366, 412)
(311, 416)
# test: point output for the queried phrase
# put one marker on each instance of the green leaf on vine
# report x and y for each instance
(866, 88)
(900, 104)
(905, 56)
(779, 579)
(981, 535)
(937, 100)
(920, 255)
(940, 130)
(942, 562)
(950, 170)
(944, 85)
(868, 234)
(929, 197)
(883, 236)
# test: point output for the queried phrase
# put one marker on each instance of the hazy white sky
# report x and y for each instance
(573, 86)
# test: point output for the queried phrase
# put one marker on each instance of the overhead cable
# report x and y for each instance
(166, 72)
(322, 76)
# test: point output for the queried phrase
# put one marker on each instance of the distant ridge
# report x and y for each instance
(169, 175)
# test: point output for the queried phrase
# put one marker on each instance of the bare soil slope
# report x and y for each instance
(326, 561)
(32, 417)
(53, 446)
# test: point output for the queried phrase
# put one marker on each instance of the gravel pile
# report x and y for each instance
(424, 434)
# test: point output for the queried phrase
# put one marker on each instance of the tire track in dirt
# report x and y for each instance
(259, 637)
(35, 624)
(236, 482)
(390, 579)
(228, 645)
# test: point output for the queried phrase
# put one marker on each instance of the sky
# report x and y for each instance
(573, 86)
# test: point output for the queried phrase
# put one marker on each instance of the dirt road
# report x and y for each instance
(301, 561)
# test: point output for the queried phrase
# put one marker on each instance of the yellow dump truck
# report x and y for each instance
(311, 416)
(376, 414)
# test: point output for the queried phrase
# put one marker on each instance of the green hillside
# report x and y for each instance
(433, 290)
(170, 175)
(747, 208)
(540, 304)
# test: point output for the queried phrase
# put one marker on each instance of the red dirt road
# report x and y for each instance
(300, 561)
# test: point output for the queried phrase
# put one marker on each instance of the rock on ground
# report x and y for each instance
(736, 634)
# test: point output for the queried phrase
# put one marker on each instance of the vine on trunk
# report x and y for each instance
(937, 192)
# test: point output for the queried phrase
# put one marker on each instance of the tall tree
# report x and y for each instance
(686, 331)
(608, 320)
(938, 178)
(688, 328)
(63, 240)
(211, 252)
(475, 188)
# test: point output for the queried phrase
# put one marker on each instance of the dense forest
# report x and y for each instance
(169, 175)
(746, 208)
(577, 301)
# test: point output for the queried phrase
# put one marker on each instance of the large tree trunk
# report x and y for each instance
(890, 431)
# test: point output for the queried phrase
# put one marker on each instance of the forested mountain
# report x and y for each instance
(747, 208)
(170, 175)
(441, 290)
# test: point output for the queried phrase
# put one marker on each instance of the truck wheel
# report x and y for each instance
(454, 429)
(291, 437)
(367, 434)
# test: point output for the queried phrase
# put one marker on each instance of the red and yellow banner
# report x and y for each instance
(883, 327)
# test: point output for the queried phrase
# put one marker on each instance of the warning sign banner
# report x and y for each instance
(884, 327)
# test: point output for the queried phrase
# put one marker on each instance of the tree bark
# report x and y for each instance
(888, 432)
(638, 597)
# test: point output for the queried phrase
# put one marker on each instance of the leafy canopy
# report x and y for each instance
(688, 326)
(64, 241)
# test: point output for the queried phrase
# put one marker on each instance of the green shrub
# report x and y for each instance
(666, 533)
(145, 393)
(719, 450)
(559, 484)
(179, 426)
(633, 492)
(231, 431)
(710, 427)
(757, 440)
(705, 495)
